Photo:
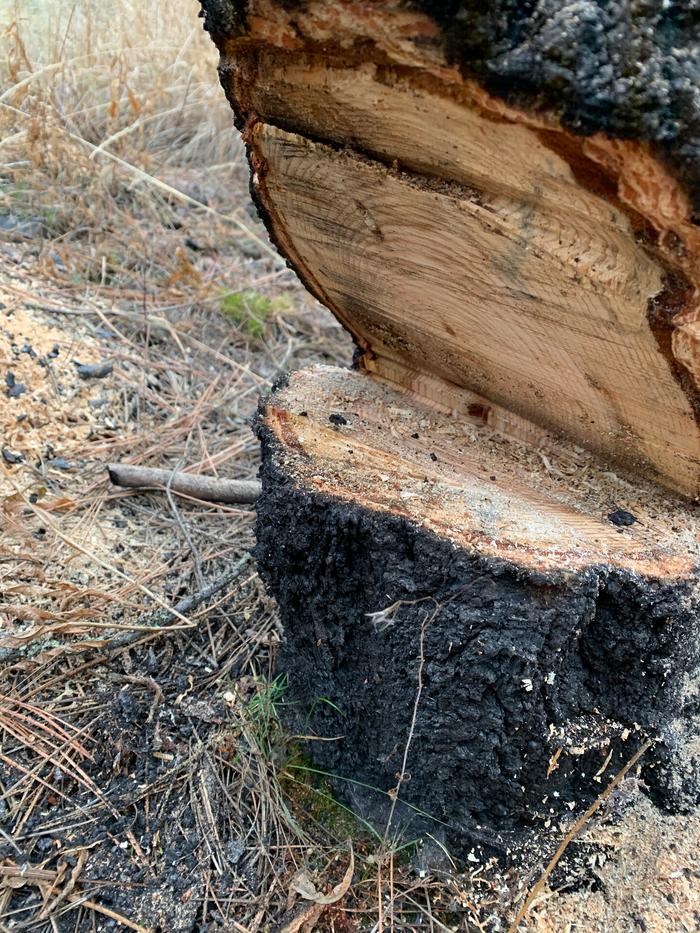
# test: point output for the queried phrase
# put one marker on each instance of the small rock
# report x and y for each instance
(14, 389)
(336, 418)
(93, 370)
(19, 229)
(234, 851)
(60, 464)
(9, 456)
(250, 249)
(151, 661)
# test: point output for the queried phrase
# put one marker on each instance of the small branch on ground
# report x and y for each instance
(206, 488)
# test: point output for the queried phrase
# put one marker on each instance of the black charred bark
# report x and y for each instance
(516, 665)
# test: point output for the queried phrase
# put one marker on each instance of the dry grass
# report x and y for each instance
(146, 781)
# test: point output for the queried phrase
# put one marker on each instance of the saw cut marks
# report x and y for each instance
(546, 320)
(342, 435)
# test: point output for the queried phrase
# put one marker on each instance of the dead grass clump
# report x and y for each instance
(131, 78)
(102, 106)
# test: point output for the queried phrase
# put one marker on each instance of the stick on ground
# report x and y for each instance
(206, 488)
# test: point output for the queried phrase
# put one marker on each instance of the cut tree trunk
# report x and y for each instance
(502, 212)
(479, 600)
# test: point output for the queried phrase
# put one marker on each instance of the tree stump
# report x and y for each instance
(484, 540)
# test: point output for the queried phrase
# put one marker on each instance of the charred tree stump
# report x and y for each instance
(555, 637)
(484, 541)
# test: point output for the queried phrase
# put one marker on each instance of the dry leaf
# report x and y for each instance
(303, 885)
(307, 889)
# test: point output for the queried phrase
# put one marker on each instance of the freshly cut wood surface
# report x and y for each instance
(550, 323)
(345, 436)
(460, 238)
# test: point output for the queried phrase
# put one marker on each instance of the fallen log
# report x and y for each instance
(483, 542)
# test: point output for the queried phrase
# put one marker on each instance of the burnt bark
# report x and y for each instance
(628, 69)
(535, 689)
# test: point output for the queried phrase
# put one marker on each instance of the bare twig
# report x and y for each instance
(428, 620)
(402, 774)
(574, 831)
(206, 488)
(108, 912)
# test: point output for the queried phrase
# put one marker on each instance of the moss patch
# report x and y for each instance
(251, 310)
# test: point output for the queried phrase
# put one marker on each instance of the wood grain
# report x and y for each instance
(471, 245)
(542, 314)
(345, 436)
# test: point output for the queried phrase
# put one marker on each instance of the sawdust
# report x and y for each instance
(48, 411)
(645, 875)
